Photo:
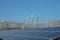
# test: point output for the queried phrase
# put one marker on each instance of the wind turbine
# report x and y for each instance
(46, 23)
(28, 21)
(37, 21)
(32, 19)
(24, 23)
(1, 20)
(50, 24)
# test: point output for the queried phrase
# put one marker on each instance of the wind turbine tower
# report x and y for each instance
(37, 21)
(32, 19)
(46, 23)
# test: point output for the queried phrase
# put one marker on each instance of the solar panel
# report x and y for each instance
(53, 34)
(31, 34)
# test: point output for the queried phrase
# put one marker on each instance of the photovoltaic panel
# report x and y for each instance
(31, 34)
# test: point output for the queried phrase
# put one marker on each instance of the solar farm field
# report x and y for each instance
(31, 34)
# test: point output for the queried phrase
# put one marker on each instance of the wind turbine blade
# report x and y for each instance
(32, 16)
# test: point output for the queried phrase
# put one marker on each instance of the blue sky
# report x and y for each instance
(16, 10)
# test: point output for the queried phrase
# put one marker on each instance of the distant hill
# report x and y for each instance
(55, 23)
(14, 25)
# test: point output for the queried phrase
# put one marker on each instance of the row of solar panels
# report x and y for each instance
(31, 34)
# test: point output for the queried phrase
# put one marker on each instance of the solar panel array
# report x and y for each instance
(31, 34)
